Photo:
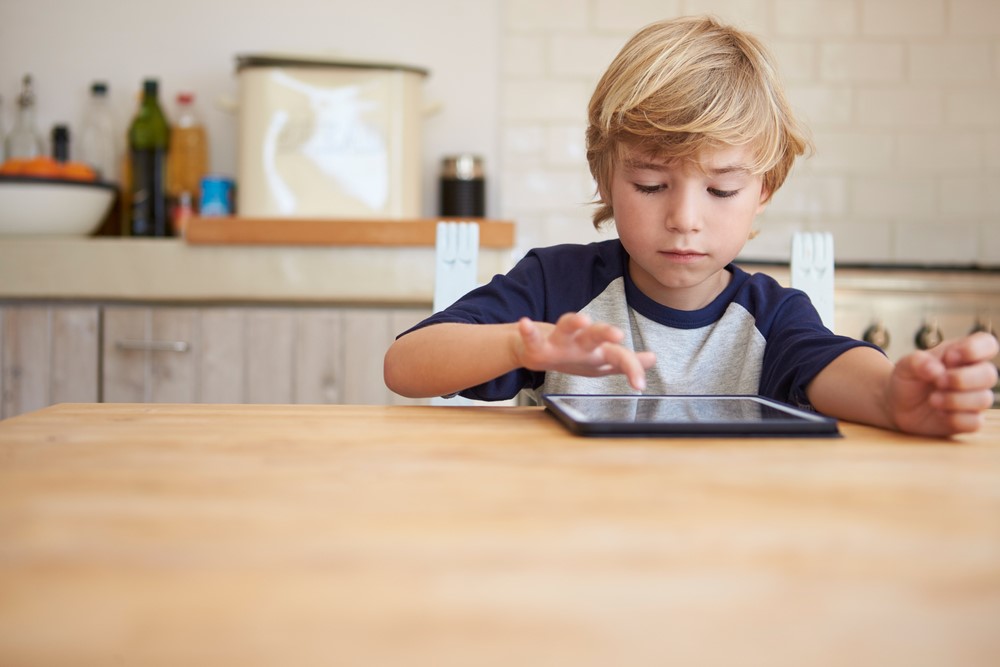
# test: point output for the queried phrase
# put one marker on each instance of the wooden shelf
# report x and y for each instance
(336, 232)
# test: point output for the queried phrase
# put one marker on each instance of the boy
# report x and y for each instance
(689, 136)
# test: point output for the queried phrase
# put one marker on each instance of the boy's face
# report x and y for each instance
(682, 222)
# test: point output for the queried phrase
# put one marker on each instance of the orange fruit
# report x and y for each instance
(41, 166)
(77, 171)
(13, 167)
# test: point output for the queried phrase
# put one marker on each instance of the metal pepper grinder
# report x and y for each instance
(463, 187)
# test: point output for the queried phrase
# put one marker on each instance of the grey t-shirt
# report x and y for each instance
(757, 337)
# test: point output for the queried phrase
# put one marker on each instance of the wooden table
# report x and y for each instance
(345, 535)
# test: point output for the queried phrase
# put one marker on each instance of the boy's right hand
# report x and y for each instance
(579, 346)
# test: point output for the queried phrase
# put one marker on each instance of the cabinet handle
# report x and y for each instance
(154, 345)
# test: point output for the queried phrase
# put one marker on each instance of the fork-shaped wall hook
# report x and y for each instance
(812, 269)
(456, 261)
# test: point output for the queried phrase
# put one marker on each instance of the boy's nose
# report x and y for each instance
(682, 215)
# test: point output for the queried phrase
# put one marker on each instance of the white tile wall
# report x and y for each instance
(624, 16)
(549, 16)
(946, 63)
(858, 62)
(944, 153)
(883, 18)
(974, 17)
(747, 14)
(989, 246)
(814, 18)
(902, 98)
(894, 107)
(828, 105)
(993, 148)
(854, 151)
(542, 100)
(953, 242)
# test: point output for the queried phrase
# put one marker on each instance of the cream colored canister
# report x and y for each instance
(321, 138)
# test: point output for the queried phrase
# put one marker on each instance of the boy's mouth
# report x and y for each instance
(681, 255)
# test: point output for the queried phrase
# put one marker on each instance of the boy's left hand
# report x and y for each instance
(944, 390)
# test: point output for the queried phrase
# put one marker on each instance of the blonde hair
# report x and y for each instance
(683, 85)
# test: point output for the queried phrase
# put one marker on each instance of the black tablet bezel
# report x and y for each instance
(799, 424)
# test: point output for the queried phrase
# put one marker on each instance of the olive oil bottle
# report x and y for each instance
(149, 139)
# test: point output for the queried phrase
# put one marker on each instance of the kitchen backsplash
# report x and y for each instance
(902, 98)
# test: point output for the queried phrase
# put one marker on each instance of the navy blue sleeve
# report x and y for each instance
(544, 285)
(798, 348)
(506, 298)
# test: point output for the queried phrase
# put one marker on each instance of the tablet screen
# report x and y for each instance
(684, 416)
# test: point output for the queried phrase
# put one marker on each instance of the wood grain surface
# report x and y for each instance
(300, 231)
(145, 534)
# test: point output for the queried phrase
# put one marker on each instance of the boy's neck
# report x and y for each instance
(688, 297)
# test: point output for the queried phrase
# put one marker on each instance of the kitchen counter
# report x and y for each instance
(170, 270)
(149, 270)
(362, 535)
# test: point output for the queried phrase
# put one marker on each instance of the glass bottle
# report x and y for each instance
(187, 161)
(60, 143)
(98, 145)
(149, 139)
(2, 134)
(23, 140)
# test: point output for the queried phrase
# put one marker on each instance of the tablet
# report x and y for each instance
(685, 416)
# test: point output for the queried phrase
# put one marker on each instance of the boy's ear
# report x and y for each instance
(765, 198)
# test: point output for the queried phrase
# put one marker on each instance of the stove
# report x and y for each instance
(901, 311)
(905, 309)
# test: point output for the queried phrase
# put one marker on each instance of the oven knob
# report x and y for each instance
(877, 334)
(928, 336)
(983, 325)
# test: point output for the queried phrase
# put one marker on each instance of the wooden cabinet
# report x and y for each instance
(196, 354)
(249, 354)
(48, 354)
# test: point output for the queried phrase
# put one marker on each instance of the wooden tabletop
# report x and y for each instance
(455, 536)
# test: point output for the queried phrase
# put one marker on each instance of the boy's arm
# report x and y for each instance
(445, 358)
(938, 392)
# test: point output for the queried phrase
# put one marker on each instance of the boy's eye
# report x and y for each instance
(653, 189)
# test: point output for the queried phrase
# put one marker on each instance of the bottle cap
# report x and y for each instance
(27, 96)
(465, 167)
(99, 88)
(150, 86)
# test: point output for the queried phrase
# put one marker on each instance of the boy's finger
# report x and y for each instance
(980, 346)
(964, 422)
(962, 401)
(647, 359)
(982, 375)
(568, 325)
(920, 365)
(597, 334)
(628, 363)
(570, 322)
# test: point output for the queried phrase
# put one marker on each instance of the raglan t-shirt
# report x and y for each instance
(756, 337)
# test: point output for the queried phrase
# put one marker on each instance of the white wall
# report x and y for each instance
(191, 45)
(902, 96)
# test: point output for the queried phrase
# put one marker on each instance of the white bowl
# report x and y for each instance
(50, 207)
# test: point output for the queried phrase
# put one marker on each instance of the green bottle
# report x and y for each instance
(148, 138)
